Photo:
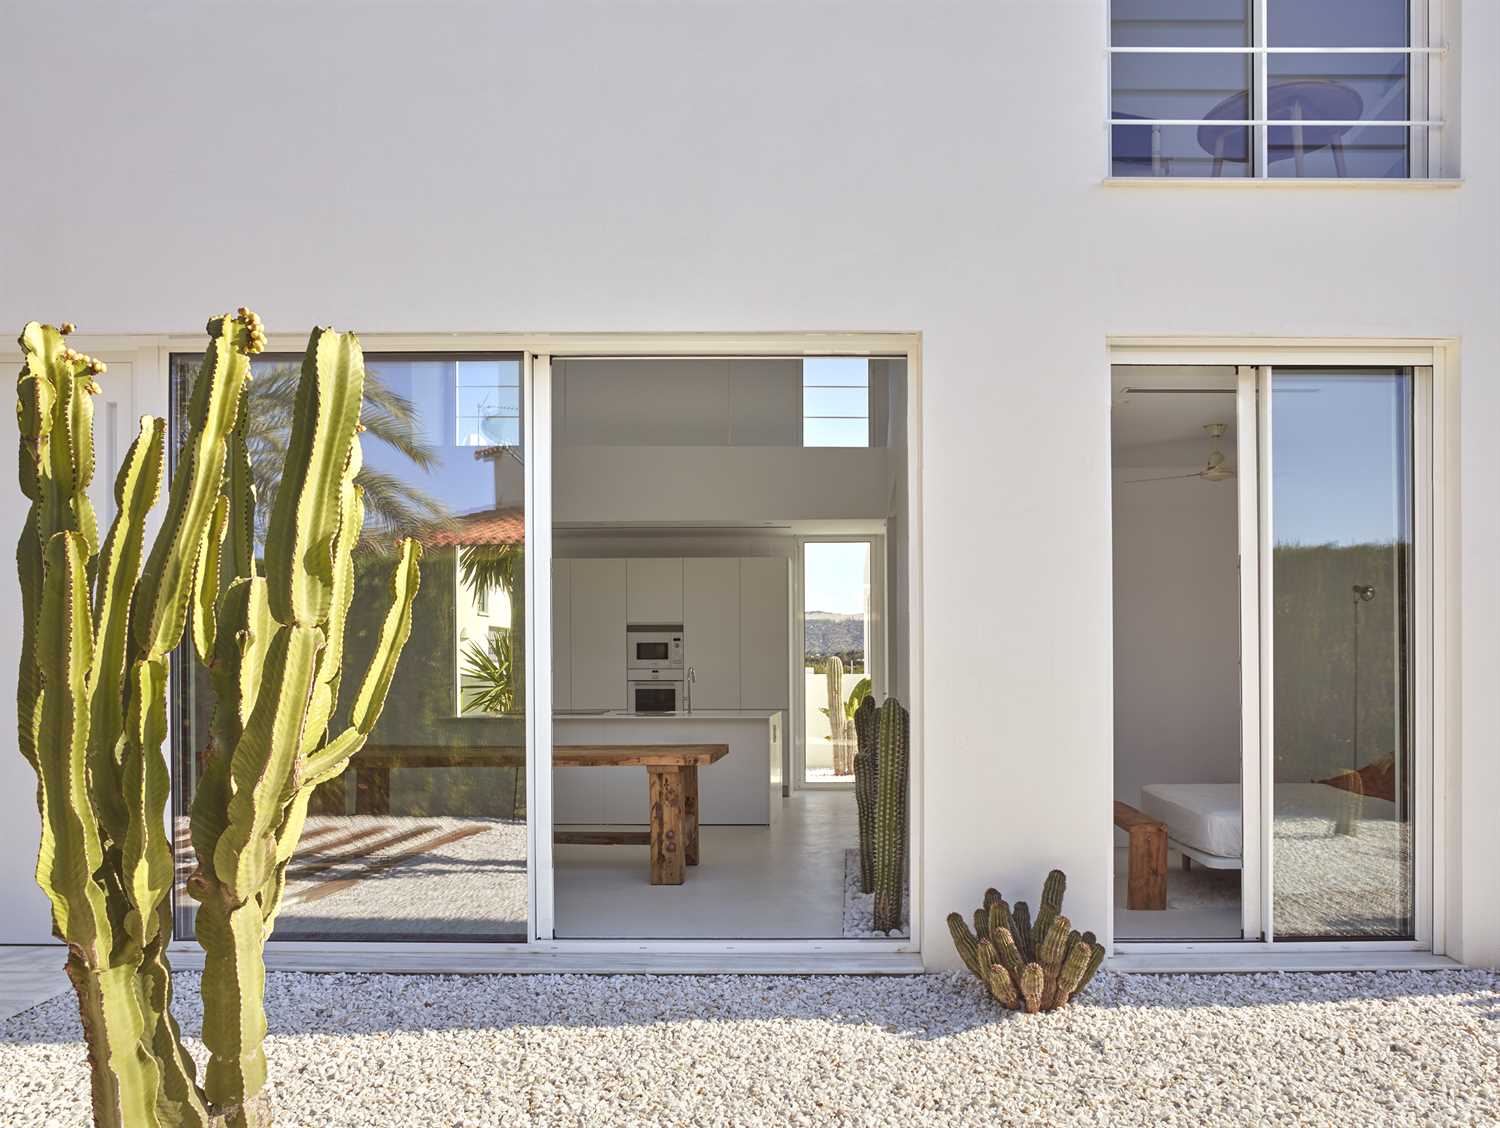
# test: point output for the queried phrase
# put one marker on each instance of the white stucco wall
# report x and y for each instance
(763, 164)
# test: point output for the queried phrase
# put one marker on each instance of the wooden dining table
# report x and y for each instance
(671, 770)
(672, 775)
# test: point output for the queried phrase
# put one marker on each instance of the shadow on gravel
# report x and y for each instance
(925, 1008)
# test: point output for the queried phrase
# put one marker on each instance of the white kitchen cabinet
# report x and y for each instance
(562, 634)
(765, 650)
(654, 590)
(597, 619)
(711, 630)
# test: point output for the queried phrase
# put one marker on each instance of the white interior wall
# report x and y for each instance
(769, 165)
(1176, 632)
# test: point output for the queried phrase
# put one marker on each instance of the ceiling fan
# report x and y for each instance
(1214, 470)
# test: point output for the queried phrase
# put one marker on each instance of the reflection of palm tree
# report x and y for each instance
(486, 567)
(393, 507)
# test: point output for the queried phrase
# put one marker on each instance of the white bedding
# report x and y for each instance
(1206, 816)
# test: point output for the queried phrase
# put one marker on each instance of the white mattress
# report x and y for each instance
(1206, 816)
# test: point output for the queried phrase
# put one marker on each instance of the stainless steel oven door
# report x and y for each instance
(655, 696)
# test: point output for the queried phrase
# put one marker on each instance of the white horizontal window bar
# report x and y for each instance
(1277, 122)
(1278, 50)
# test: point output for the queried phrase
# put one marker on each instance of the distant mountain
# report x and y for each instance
(828, 632)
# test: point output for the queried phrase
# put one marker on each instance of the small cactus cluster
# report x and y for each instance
(1027, 965)
(892, 762)
(100, 622)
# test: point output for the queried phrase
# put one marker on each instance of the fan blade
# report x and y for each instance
(1167, 478)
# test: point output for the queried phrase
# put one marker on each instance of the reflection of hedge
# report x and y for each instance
(1314, 657)
(420, 711)
(421, 706)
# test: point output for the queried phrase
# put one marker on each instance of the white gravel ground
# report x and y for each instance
(859, 908)
(372, 1051)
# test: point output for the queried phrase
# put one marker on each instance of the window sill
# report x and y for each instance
(1279, 182)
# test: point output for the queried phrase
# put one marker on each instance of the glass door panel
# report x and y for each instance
(424, 836)
(1341, 559)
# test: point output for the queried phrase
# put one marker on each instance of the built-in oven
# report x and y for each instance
(653, 647)
(651, 694)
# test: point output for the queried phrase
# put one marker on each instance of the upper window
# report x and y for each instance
(835, 401)
(1275, 88)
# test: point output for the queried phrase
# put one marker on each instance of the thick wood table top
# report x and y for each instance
(651, 755)
(563, 756)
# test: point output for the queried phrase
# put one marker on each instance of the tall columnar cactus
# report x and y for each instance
(893, 729)
(864, 790)
(98, 627)
(838, 720)
(1024, 966)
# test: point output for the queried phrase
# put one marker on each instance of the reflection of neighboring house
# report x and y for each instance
(479, 615)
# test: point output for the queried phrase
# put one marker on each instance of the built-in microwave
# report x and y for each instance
(654, 695)
(653, 647)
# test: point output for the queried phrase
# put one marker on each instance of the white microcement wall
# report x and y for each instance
(758, 165)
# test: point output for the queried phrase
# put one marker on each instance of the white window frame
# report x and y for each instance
(1435, 727)
(148, 392)
(1433, 155)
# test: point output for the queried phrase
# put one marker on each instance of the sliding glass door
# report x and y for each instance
(1294, 806)
(424, 836)
(1341, 542)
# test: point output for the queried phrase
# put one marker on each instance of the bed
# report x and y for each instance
(1203, 819)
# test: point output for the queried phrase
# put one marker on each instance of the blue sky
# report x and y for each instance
(835, 576)
(1340, 455)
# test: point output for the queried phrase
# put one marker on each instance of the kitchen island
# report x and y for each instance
(736, 790)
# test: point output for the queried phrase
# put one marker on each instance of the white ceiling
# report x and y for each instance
(1165, 427)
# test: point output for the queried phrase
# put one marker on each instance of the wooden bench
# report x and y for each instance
(1146, 881)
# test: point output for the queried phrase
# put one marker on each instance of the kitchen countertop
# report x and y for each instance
(696, 715)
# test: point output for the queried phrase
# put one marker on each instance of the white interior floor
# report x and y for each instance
(784, 881)
(1202, 904)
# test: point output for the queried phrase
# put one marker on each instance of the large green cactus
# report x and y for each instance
(1024, 966)
(864, 790)
(894, 734)
(92, 698)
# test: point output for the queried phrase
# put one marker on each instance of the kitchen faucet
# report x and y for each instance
(692, 676)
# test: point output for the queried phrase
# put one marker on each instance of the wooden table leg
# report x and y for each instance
(666, 825)
(690, 814)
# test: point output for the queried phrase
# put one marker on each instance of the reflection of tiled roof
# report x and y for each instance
(492, 526)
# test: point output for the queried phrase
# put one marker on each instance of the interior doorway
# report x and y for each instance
(841, 619)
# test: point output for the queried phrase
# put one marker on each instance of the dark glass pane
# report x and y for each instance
(1180, 23)
(1339, 87)
(1180, 150)
(1338, 23)
(1342, 587)
(424, 835)
(1364, 151)
(1180, 86)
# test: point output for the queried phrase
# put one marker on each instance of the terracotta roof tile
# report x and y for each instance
(491, 526)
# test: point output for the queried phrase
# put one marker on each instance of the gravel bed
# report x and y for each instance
(859, 908)
(372, 1051)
